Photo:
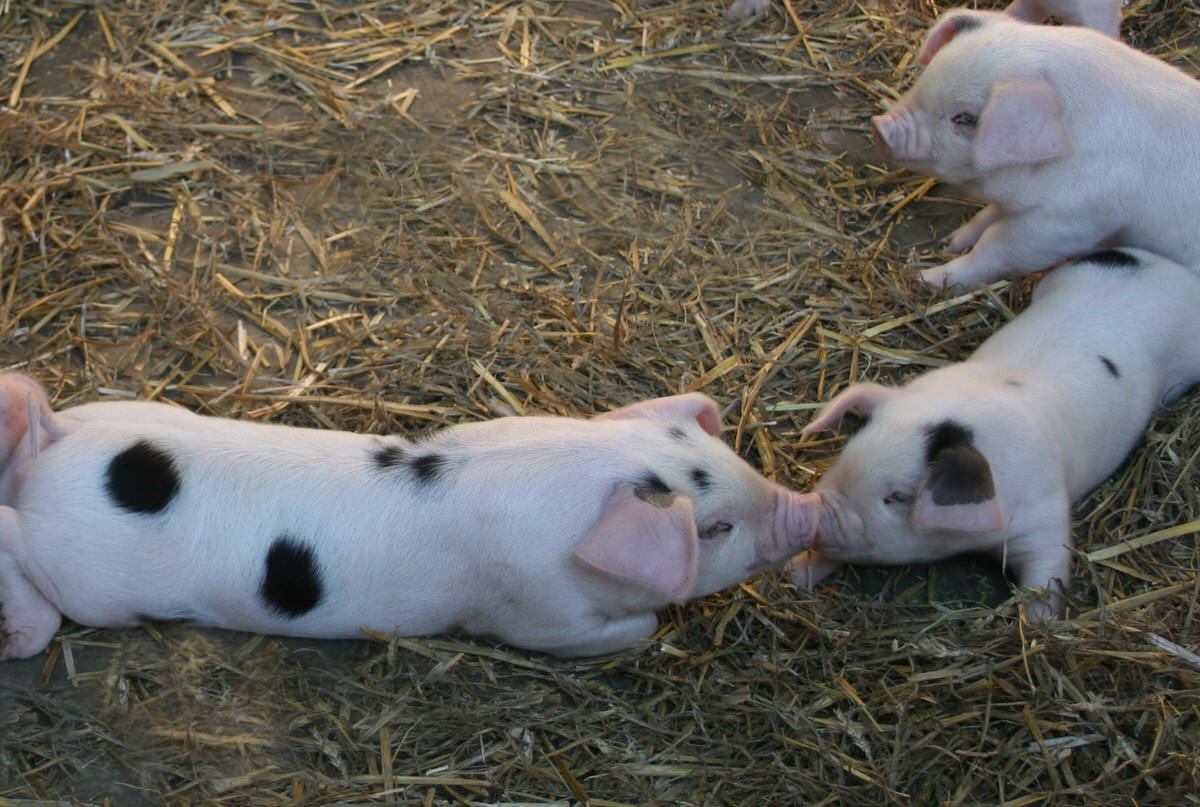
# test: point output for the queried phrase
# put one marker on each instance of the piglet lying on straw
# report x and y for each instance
(988, 455)
(555, 534)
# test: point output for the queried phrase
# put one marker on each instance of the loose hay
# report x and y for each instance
(386, 216)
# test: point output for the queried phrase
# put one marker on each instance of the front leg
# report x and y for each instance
(29, 619)
(969, 233)
(1042, 562)
(809, 568)
(1015, 245)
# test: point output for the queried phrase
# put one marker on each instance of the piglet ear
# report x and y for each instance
(859, 398)
(1022, 124)
(692, 406)
(945, 30)
(25, 415)
(645, 538)
(958, 494)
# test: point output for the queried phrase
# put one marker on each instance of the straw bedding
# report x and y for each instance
(390, 216)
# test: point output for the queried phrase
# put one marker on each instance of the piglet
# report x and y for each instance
(550, 533)
(1072, 138)
(988, 455)
(1102, 15)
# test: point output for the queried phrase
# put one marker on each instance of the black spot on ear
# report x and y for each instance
(964, 22)
(291, 583)
(388, 457)
(427, 467)
(944, 435)
(1112, 259)
(1110, 366)
(960, 475)
(142, 478)
(701, 478)
(677, 434)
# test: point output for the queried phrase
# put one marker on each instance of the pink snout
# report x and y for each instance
(793, 526)
(902, 137)
(882, 127)
(840, 525)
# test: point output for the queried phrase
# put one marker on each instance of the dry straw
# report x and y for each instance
(388, 216)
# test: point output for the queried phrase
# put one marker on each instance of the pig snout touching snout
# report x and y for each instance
(987, 455)
(1072, 138)
(558, 534)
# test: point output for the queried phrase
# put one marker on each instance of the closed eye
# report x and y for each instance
(897, 497)
(965, 119)
(714, 530)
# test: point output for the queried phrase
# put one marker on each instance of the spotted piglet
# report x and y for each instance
(1072, 138)
(988, 455)
(555, 534)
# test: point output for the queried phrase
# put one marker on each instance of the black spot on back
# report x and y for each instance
(1112, 259)
(964, 22)
(291, 583)
(1110, 366)
(142, 478)
(677, 434)
(701, 478)
(944, 435)
(389, 456)
(427, 467)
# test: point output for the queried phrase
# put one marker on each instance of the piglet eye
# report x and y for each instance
(715, 529)
(896, 497)
(965, 119)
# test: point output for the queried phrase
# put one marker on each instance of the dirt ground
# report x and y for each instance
(386, 217)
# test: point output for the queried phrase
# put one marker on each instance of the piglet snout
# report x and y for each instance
(793, 526)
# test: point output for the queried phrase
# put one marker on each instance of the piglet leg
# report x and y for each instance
(609, 635)
(809, 568)
(29, 620)
(969, 233)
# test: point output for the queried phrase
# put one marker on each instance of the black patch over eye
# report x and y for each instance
(701, 478)
(142, 478)
(291, 583)
(428, 467)
(965, 119)
(946, 434)
(714, 530)
(898, 497)
(652, 483)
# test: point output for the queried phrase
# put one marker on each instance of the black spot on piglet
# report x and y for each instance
(388, 457)
(958, 472)
(1110, 366)
(291, 583)
(1112, 259)
(427, 467)
(963, 22)
(142, 478)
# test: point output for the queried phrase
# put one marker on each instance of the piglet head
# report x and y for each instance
(907, 487)
(698, 518)
(980, 105)
(27, 426)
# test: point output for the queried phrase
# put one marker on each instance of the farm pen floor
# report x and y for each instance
(389, 216)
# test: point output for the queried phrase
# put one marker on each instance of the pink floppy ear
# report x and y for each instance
(692, 406)
(648, 539)
(959, 494)
(945, 30)
(1022, 124)
(25, 415)
(860, 398)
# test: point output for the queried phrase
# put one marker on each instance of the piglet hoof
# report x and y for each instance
(26, 632)
(809, 568)
(1045, 607)
(747, 8)
(938, 277)
(962, 239)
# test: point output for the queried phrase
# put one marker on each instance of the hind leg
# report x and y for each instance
(29, 619)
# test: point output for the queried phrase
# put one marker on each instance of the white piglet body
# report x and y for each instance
(987, 455)
(555, 534)
(1074, 139)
